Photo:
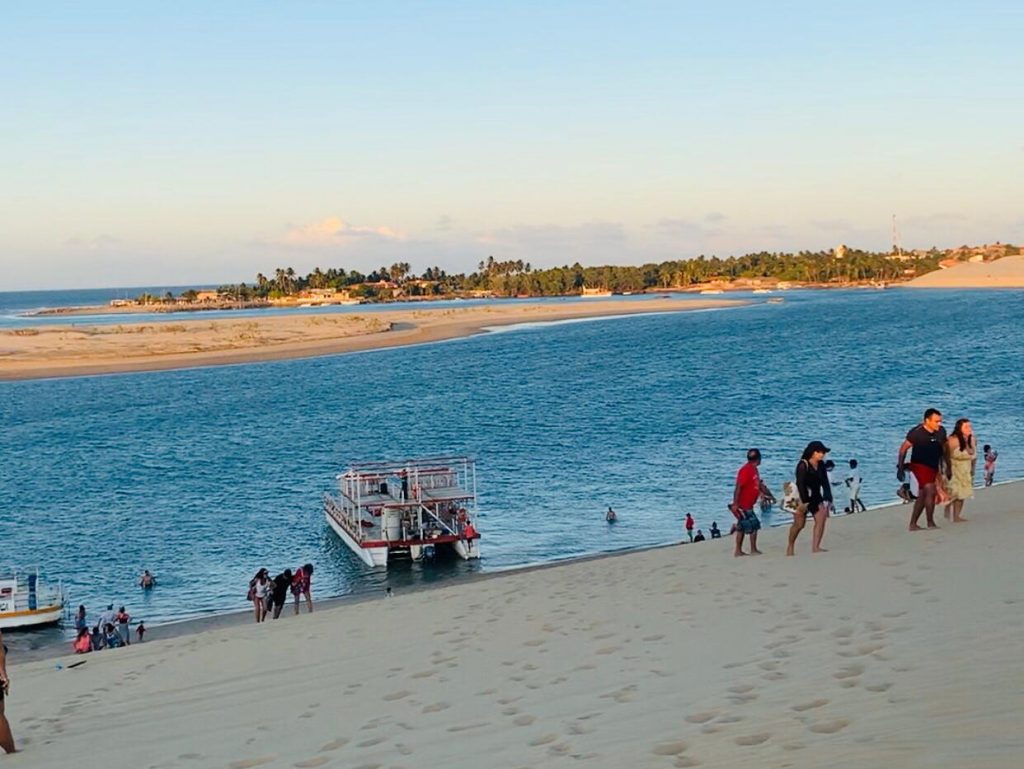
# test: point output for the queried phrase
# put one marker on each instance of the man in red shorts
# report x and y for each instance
(927, 443)
(744, 496)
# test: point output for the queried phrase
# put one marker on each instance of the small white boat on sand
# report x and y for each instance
(27, 601)
(410, 509)
(707, 291)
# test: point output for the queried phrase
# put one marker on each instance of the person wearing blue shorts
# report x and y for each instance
(744, 496)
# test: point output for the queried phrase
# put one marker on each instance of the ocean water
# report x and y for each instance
(205, 475)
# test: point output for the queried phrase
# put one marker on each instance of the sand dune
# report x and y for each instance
(893, 649)
(1007, 272)
(51, 351)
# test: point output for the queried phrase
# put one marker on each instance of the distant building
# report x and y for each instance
(840, 251)
(208, 296)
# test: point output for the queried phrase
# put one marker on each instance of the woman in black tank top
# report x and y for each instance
(815, 496)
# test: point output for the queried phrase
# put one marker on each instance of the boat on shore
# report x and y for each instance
(27, 601)
(413, 509)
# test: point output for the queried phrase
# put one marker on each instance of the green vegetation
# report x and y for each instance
(516, 278)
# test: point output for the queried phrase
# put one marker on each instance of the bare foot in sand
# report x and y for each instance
(755, 552)
(789, 551)
(933, 526)
(914, 527)
(737, 555)
(819, 550)
(959, 519)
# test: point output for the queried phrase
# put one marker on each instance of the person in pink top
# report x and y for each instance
(689, 526)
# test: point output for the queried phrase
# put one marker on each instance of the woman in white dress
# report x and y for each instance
(961, 459)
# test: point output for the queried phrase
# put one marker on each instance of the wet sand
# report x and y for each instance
(892, 649)
(56, 351)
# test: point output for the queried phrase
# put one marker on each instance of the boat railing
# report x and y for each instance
(437, 518)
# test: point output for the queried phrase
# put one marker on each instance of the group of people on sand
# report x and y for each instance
(269, 594)
(943, 466)
(111, 630)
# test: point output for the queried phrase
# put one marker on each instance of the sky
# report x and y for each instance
(198, 143)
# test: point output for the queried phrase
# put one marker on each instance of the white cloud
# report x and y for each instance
(335, 231)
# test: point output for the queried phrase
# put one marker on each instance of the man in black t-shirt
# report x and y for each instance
(927, 446)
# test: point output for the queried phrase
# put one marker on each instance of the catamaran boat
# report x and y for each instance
(413, 509)
(27, 601)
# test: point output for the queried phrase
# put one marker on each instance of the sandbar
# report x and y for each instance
(43, 351)
(892, 649)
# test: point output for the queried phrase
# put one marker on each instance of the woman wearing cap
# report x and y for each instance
(815, 496)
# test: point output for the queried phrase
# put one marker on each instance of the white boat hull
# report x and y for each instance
(46, 615)
(371, 556)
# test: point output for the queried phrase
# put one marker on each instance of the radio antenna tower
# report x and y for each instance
(896, 247)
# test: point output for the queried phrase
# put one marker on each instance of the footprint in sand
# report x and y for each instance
(701, 718)
(435, 707)
(534, 642)
(685, 761)
(467, 727)
(311, 763)
(849, 671)
(248, 763)
(544, 739)
(673, 748)
(884, 687)
(608, 650)
(524, 720)
(396, 695)
(804, 706)
(559, 749)
(650, 638)
(424, 674)
(741, 688)
(829, 727)
(753, 739)
(842, 632)
(370, 742)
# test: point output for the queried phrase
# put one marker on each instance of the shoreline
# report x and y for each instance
(668, 657)
(189, 626)
(63, 351)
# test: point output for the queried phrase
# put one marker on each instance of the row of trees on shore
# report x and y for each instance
(516, 278)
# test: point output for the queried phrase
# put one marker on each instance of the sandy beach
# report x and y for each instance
(893, 649)
(54, 351)
(1007, 272)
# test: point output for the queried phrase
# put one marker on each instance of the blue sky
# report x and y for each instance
(206, 142)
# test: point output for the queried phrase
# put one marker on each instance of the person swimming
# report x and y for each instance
(147, 580)
(611, 516)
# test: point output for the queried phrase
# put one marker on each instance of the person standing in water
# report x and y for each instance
(815, 496)
(927, 445)
(610, 516)
(6, 738)
(962, 457)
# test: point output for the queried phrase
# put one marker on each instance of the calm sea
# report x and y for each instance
(204, 475)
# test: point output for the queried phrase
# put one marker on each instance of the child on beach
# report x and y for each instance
(140, 630)
(991, 455)
(853, 481)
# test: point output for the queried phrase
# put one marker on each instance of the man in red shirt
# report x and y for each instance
(745, 495)
(689, 526)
